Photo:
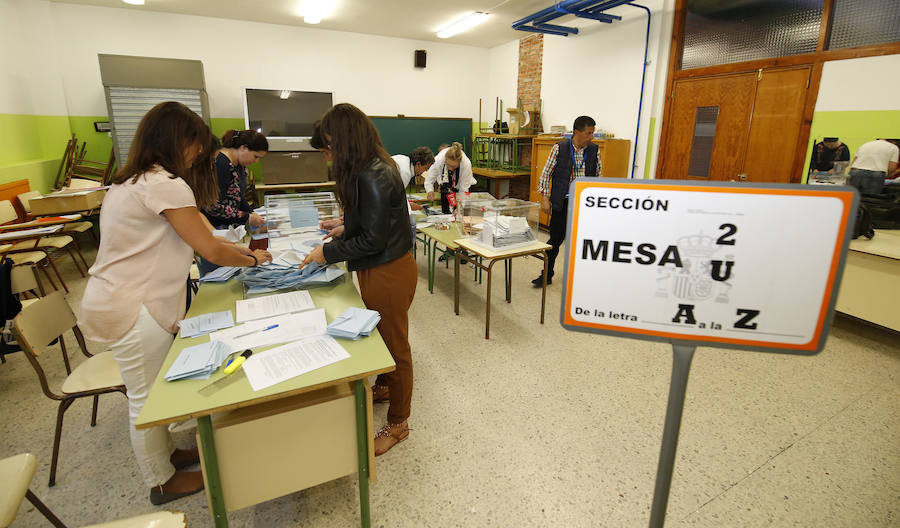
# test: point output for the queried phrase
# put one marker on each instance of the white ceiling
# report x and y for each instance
(410, 19)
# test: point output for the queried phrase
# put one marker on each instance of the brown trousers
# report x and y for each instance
(389, 289)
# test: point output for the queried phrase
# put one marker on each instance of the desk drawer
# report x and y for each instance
(276, 448)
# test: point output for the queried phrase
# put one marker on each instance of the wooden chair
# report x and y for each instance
(16, 473)
(44, 321)
(75, 165)
(71, 228)
(47, 244)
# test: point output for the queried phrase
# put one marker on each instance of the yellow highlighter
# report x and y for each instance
(236, 363)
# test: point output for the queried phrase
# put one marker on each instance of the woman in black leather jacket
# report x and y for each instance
(375, 240)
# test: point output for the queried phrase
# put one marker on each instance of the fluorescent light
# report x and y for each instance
(313, 11)
(285, 94)
(461, 24)
(134, 2)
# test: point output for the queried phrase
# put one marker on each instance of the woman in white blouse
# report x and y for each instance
(150, 226)
(452, 172)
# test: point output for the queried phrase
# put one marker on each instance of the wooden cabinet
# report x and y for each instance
(613, 154)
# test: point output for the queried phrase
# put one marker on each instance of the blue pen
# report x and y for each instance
(255, 331)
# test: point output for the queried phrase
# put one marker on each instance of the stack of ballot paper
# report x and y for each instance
(354, 323)
(198, 362)
(273, 330)
(221, 274)
(206, 323)
(284, 273)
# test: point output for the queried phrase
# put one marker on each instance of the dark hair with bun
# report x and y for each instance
(251, 139)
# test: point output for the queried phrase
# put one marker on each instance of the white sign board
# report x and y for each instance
(742, 265)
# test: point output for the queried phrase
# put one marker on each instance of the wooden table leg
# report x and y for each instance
(211, 467)
(362, 452)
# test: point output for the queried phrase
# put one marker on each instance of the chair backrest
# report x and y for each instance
(42, 321)
(7, 212)
(16, 473)
(25, 199)
(22, 279)
(81, 183)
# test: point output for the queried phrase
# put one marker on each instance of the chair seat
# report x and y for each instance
(57, 242)
(15, 474)
(164, 519)
(97, 372)
(26, 302)
(78, 227)
(27, 257)
(25, 244)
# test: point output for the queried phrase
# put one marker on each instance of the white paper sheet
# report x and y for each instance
(291, 327)
(272, 305)
(291, 360)
(232, 234)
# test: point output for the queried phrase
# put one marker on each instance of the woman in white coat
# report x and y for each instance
(452, 172)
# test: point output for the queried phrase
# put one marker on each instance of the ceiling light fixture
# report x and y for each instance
(313, 11)
(285, 94)
(134, 2)
(461, 24)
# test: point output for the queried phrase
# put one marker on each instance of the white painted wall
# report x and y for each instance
(598, 73)
(503, 80)
(375, 73)
(29, 73)
(869, 83)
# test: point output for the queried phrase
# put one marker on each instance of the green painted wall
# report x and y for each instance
(853, 128)
(650, 137)
(99, 144)
(32, 148)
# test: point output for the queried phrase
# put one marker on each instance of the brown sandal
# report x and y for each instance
(381, 393)
(389, 436)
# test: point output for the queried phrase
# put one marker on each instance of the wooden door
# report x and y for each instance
(775, 126)
(706, 137)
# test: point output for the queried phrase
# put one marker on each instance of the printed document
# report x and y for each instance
(291, 360)
(272, 305)
(206, 323)
(259, 333)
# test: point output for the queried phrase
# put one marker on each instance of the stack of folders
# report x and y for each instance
(206, 323)
(199, 361)
(220, 274)
(354, 323)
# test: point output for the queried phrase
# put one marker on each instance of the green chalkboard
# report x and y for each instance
(401, 135)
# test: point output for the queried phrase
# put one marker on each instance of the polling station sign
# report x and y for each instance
(754, 266)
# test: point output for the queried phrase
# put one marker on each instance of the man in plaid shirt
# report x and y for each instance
(569, 159)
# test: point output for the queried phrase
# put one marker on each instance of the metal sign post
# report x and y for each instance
(734, 265)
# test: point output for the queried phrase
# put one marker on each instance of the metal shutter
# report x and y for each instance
(128, 105)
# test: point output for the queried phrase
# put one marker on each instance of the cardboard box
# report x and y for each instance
(67, 201)
(294, 167)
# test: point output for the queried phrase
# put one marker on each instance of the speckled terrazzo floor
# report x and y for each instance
(543, 427)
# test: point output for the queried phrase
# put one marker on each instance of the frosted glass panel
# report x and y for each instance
(726, 32)
(704, 137)
(864, 22)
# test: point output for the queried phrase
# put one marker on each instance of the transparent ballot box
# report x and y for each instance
(470, 211)
(507, 224)
(296, 214)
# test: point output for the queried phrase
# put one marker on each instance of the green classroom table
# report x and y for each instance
(171, 402)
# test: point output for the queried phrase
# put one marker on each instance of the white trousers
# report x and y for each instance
(140, 354)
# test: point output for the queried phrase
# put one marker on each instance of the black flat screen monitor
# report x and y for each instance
(284, 113)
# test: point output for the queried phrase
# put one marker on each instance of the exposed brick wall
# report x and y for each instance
(531, 59)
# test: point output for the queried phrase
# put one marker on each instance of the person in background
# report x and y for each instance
(568, 159)
(375, 241)
(452, 172)
(418, 161)
(826, 152)
(240, 148)
(443, 146)
(874, 162)
(150, 226)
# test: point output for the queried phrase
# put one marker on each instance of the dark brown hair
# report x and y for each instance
(251, 139)
(162, 137)
(354, 144)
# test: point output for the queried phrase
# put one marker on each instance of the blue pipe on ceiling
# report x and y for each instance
(591, 9)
